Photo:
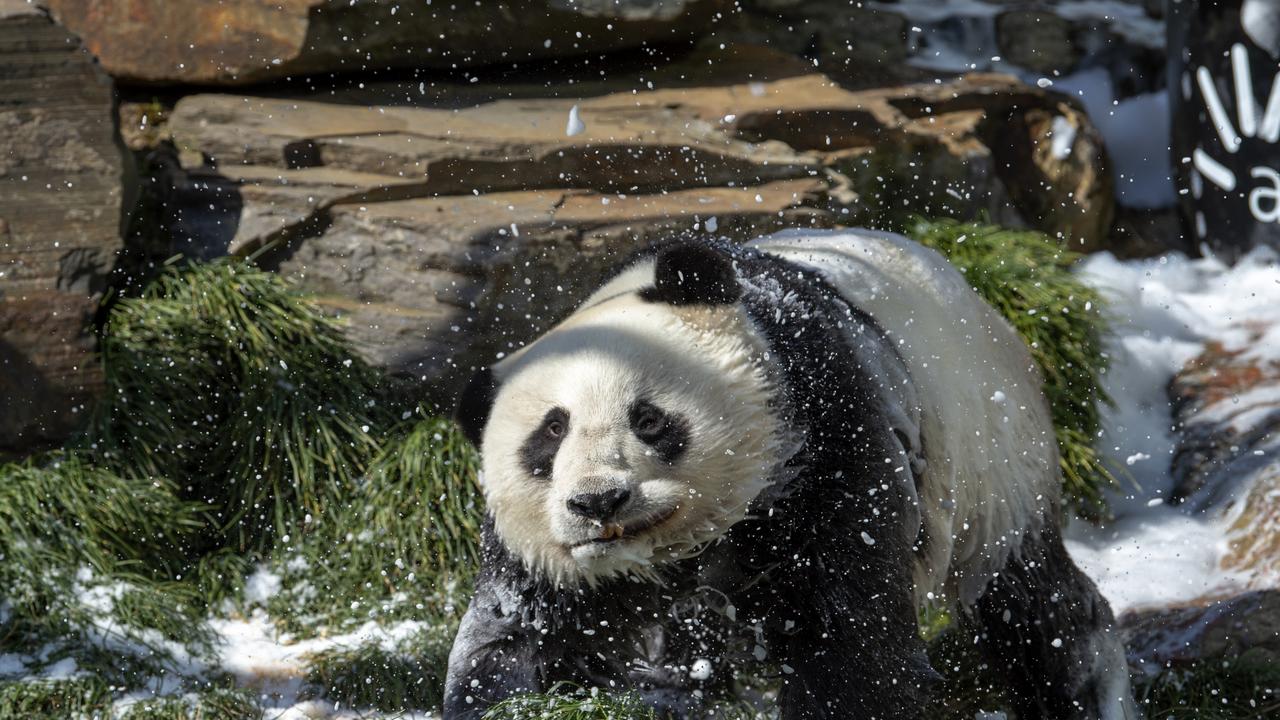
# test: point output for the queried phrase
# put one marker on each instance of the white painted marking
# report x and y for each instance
(1246, 104)
(1270, 129)
(1214, 171)
(1230, 140)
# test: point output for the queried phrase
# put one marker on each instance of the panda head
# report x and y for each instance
(634, 432)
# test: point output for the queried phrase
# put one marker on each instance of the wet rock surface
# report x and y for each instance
(63, 192)
(389, 195)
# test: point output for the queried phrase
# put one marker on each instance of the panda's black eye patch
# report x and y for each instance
(666, 433)
(539, 449)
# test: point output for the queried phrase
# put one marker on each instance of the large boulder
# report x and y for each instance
(984, 144)
(63, 193)
(235, 42)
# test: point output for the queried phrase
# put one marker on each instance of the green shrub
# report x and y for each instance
(223, 375)
(65, 506)
(87, 558)
(1026, 277)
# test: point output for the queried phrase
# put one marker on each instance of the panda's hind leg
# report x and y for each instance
(1045, 627)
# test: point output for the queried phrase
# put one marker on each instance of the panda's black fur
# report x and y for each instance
(813, 588)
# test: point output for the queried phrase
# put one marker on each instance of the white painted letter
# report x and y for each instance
(1263, 192)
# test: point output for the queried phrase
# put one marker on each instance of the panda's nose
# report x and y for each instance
(599, 506)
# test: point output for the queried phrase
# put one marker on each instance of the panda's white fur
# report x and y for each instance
(702, 362)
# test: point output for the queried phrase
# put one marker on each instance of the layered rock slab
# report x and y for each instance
(1226, 465)
(413, 220)
(983, 145)
(63, 188)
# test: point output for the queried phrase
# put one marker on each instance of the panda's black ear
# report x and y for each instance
(474, 404)
(693, 274)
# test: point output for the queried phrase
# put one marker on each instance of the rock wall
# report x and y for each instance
(63, 195)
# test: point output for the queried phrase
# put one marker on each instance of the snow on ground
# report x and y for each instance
(275, 665)
(1163, 311)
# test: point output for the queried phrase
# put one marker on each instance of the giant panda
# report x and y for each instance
(767, 458)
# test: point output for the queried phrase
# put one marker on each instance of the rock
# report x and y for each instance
(983, 144)
(1245, 626)
(63, 188)
(862, 47)
(1055, 169)
(1227, 408)
(1038, 40)
(1140, 233)
(236, 42)
(431, 285)
(410, 220)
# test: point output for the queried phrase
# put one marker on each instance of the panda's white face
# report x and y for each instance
(632, 433)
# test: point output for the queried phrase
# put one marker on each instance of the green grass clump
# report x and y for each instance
(424, 481)
(566, 702)
(64, 506)
(87, 559)
(401, 544)
(288, 459)
(69, 698)
(370, 676)
(210, 704)
(1242, 689)
(224, 376)
(1026, 277)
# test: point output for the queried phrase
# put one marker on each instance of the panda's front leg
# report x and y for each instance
(849, 646)
(495, 656)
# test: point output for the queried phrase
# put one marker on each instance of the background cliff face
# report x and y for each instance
(249, 250)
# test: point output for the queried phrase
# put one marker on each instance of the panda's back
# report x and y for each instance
(991, 461)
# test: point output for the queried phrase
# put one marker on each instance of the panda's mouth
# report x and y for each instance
(614, 532)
